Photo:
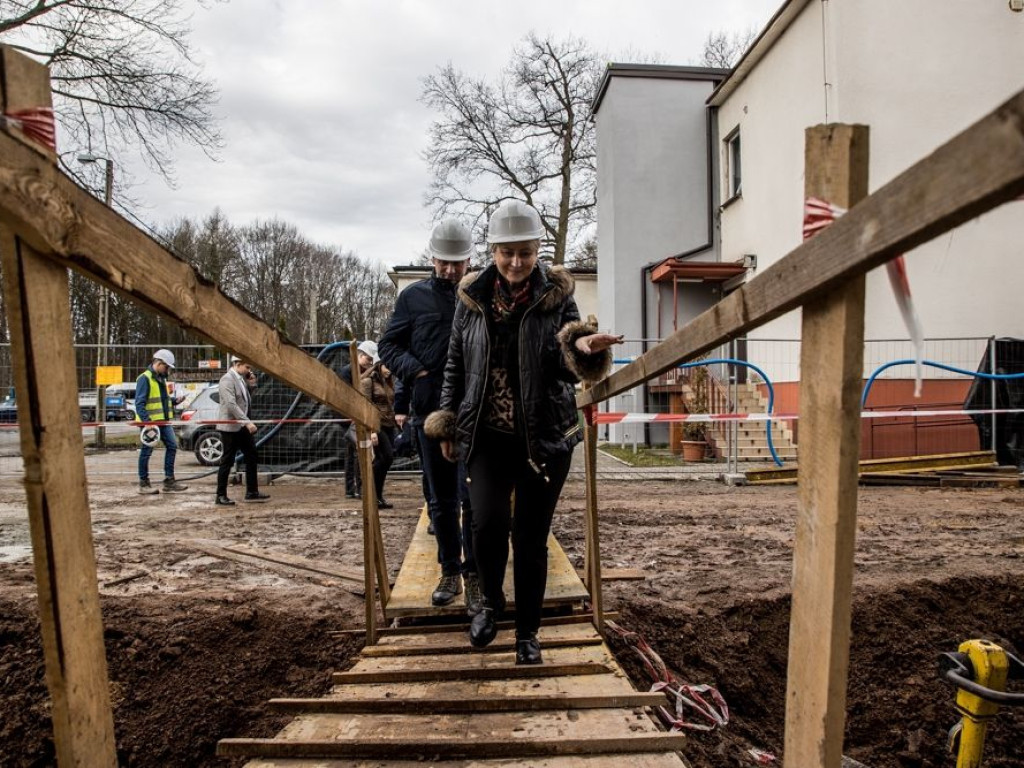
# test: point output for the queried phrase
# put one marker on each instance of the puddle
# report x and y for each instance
(14, 553)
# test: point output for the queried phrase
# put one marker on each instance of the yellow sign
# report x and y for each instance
(108, 374)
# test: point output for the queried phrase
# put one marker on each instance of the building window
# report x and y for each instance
(733, 168)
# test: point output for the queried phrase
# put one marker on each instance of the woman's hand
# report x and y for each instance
(597, 342)
(448, 450)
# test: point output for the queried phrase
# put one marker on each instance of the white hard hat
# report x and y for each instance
(513, 222)
(369, 348)
(150, 436)
(164, 356)
(451, 241)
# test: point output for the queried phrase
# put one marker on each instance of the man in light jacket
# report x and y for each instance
(238, 435)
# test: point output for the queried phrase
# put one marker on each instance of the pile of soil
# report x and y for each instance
(899, 710)
(183, 674)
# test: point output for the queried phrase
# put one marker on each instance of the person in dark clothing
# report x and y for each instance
(508, 409)
(415, 348)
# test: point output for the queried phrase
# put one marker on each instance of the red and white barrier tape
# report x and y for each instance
(695, 697)
(819, 214)
(614, 417)
(36, 123)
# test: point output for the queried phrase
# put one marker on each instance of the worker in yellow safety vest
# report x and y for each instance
(154, 408)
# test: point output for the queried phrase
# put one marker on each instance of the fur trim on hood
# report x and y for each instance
(558, 276)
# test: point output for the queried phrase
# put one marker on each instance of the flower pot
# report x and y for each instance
(694, 450)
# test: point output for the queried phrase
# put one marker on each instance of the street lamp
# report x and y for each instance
(103, 321)
(313, 307)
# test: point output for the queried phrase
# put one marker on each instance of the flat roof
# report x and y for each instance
(653, 72)
(763, 43)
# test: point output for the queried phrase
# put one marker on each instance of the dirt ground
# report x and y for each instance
(197, 643)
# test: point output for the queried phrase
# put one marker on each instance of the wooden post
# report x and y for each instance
(593, 539)
(831, 376)
(39, 314)
(364, 453)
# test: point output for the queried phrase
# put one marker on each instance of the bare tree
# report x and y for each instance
(723, 49)
(122, 73)
(528, 136)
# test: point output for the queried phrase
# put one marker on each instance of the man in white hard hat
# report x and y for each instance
(153, 405)
(415, 348)
(235, 406)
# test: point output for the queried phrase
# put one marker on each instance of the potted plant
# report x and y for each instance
(695, 433)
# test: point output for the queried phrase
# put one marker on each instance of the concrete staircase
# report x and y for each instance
(752, 438)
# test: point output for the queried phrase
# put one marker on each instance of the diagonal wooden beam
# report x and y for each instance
(63, 222)
(976, 171)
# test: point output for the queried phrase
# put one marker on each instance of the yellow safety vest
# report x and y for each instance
(154, 403)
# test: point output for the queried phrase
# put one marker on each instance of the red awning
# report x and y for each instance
(699, 271)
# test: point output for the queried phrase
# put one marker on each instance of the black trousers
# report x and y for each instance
(243, 441)
(353, 481)
(383, 458)
(498, 467)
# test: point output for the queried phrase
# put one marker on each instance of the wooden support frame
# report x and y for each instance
(47, 225)
(976, 171)
(832, 369)
(364, 455)
(39, 314)
(592, 560)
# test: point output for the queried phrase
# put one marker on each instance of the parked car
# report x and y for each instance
(8, 409)
(202, 439)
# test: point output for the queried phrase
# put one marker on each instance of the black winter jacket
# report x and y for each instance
(416, 340)
(549, 366)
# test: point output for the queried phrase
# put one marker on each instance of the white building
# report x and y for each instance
(917, 72)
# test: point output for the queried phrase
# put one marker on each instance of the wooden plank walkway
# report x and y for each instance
(424, 694)
(420, 572)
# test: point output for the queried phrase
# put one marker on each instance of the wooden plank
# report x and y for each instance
(831, 370)
(583, 654)
(364, 454)
(457, 635)
(420, 572)
(570, 685)
(973, 459)
(976, 171)
(617, 574)
(65, 223)
(655, 760)
(593, 559)
(466, 705)
(506, 671)
(498, 646)
(979, 481)
(39, 319)
(334, 570)
(451, 749)
(290, 571)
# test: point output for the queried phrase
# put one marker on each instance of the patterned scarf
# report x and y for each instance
(507, 300)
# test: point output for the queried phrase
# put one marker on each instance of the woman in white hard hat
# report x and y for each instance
(508, 404)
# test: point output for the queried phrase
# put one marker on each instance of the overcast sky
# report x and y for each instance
(319, 100)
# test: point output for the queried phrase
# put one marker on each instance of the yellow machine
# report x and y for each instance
(979, 670)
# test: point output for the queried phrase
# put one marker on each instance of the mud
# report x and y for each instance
(197, 643)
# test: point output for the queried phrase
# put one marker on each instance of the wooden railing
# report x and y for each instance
(976, 171)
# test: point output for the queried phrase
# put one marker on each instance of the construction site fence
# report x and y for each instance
(738, 388)
(292, 444)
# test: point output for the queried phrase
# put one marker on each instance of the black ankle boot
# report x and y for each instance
(483, 628)
(528, 649)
